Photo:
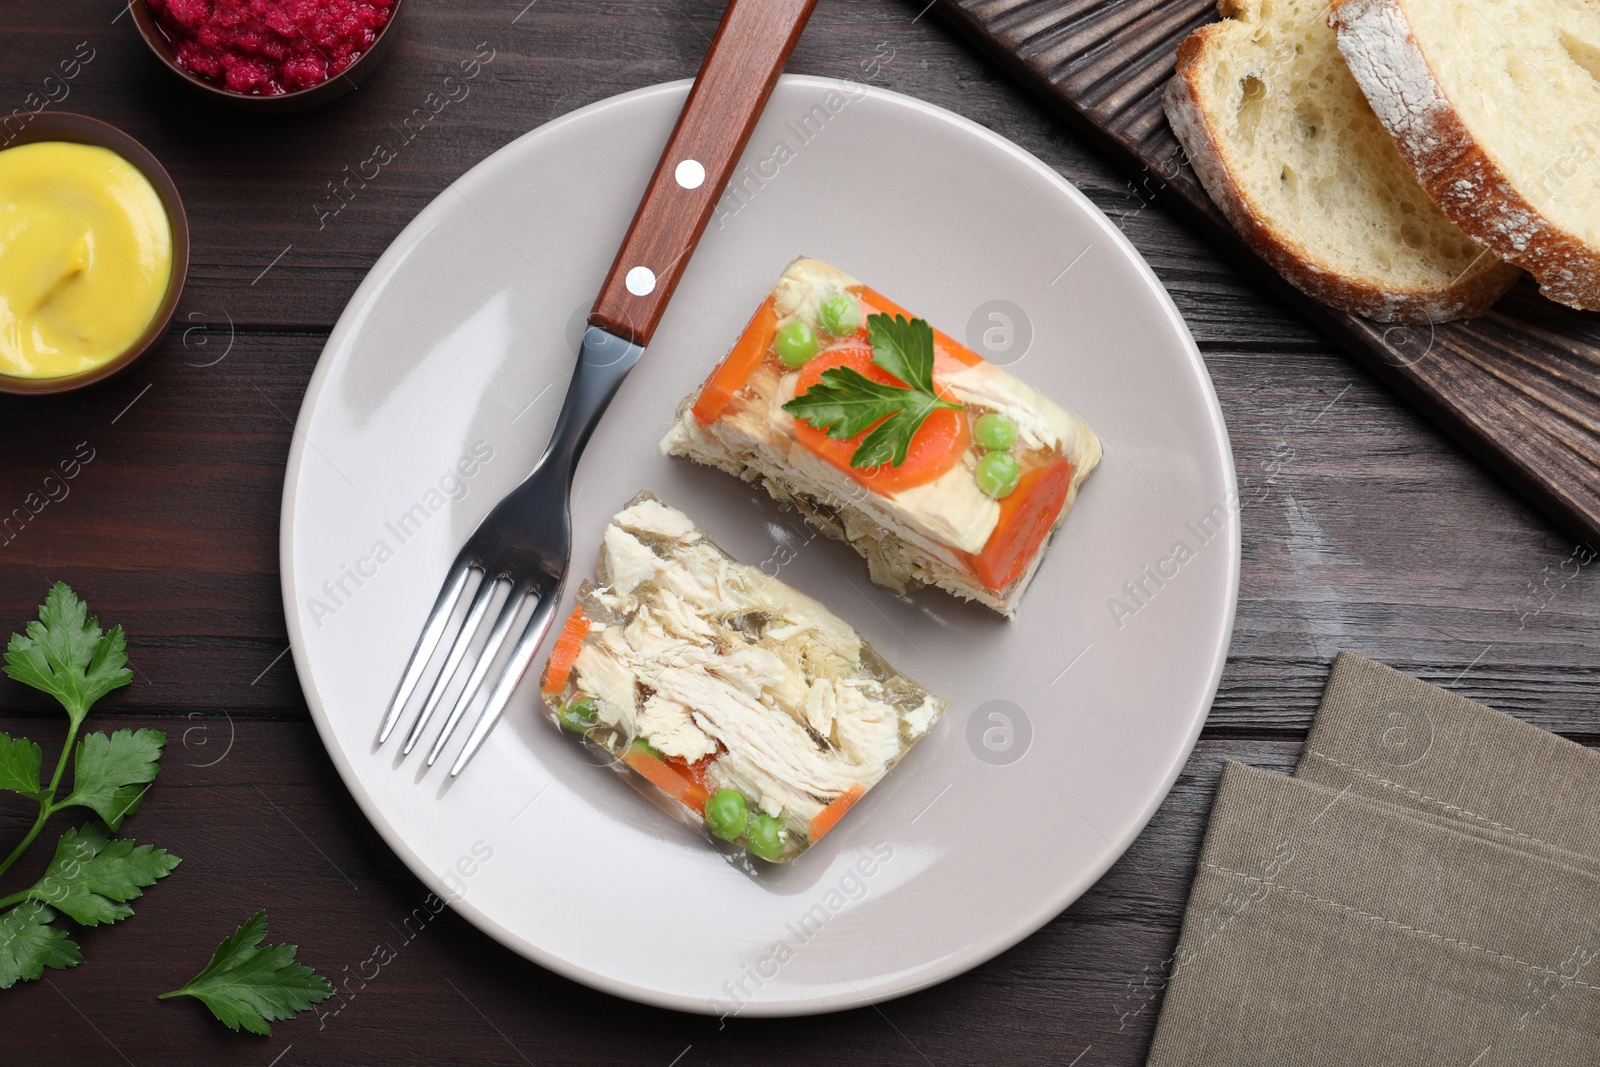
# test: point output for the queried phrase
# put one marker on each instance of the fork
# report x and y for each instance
(524, 546)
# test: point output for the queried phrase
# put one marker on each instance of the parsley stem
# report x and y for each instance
(22, 846)
(46, 803)
(14, 898)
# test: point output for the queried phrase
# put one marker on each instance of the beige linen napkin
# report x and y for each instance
(1426, 890)
(1390, 737)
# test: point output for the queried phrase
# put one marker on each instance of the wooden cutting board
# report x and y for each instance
(1519, 387)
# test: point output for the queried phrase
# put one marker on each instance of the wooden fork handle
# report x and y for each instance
(737, 77)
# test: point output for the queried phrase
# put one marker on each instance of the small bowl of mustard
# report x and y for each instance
(94, 251)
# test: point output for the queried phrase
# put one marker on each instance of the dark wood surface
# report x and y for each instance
(1519, 387)
(1364, 528)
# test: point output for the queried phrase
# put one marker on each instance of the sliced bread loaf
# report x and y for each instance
(1286, 144)
(1496, 107)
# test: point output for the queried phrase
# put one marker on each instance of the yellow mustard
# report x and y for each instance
(85, 258)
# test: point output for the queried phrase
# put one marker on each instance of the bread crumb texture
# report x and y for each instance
(1309, 148)
(1496, 107)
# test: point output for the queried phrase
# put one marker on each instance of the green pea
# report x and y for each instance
(795, 344)
(995, 432)
(644, 745)
(764, 836)
(998, 474)
(841, 315)
(726, 813)
(578, 714)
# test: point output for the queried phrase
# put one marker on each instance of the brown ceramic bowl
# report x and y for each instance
(300, 99)
(80, 129)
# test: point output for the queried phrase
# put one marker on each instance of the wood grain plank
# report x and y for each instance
(1363, 529)
(170, 527)
(269, 826)
(306, 188)
(1534, 418)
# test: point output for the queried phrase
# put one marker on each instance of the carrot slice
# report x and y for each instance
(856, 357)
(1026, 517)
(937, 446)
(826, 819)
(697, 770)
(559, 671)
(748, 353)
(942, 342)
(670, 779)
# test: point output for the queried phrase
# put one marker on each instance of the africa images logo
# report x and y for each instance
(453, 485)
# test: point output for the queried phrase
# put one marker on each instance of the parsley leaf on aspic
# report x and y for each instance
(844, 402)
(904, 349)
(246, 983)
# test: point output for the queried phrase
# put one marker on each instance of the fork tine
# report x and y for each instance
(491, 649)
(516, 666)
(458, 652)
(443, 608)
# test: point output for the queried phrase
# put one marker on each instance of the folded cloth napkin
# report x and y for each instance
(1425, 890)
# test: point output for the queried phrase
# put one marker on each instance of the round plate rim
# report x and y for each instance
(948, 967)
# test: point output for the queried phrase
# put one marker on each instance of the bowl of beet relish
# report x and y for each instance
(269, 55)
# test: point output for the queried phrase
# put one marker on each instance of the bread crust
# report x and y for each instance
(1472, 294)
(1457, 171)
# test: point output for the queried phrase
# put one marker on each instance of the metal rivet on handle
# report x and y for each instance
(691, 174)
(641, 281)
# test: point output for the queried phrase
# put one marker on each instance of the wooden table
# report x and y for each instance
(1363, 529)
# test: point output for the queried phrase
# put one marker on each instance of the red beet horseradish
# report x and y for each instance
(270, 47)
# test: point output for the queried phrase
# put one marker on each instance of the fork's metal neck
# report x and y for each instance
(603, 362)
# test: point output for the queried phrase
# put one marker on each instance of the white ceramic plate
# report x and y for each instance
(1065, 729)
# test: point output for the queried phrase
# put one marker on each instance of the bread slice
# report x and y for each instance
(1286, 144)
(1496, 107)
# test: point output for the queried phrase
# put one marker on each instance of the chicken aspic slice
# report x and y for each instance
(938, 466)
(761, 713)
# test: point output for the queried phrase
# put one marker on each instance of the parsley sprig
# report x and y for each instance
(247, 983)
(844, 402)
(92, 876)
